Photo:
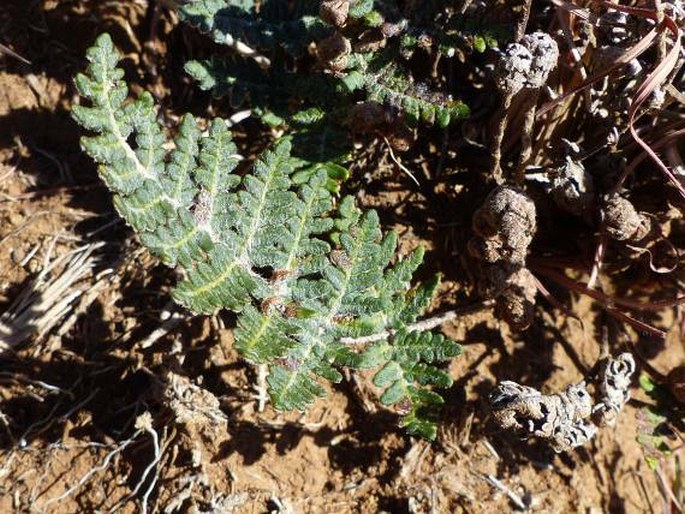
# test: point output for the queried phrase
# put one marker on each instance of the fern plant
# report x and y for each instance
(306, 62)
(303, 270)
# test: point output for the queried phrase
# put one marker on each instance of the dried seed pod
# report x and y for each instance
(573, 189)
(507, 220)
(558, 418)
(511, 72)
(504, 226)
(516, 304)
(334, 12)
(527, 64)
(195, 410)
(614, 388)
(563, 419)
(545, 55)
(514, 289)
(334, 50)
(622, 221)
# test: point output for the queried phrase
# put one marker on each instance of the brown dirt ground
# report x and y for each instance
(69, 399)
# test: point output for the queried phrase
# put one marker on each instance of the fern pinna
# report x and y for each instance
(303, 270)
(292, 57)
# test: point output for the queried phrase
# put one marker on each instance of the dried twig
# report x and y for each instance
(7, 50)
(498, 484)
(399, 164)
(91, 472)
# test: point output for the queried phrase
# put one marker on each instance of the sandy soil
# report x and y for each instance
(100, 410)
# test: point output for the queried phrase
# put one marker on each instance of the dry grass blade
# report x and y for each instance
(638, 49)
(630, 54)
(623, 302)
(600, 250)
(581, 12)
(648, 86)
(48, 298)
(664, 141)
(608, 303)
(651, 83)
(6, 50)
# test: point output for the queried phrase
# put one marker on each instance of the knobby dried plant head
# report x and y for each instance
(514, 289)
(573, 189)
(526, 64)
(504, 225)
(614, 388)
(545, 55)
(568, 419)
(335, 12)
(556, 418)
(622, 221)
(516, 302)
(511, 72)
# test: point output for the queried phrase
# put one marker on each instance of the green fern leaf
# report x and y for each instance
(300, 269)
(291, 27)
(417, 103)
(292, 389)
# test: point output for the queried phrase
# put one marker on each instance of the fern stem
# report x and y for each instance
(518, 177)
(497, 138)
(290, 264)
(116, 130)
(423, 325)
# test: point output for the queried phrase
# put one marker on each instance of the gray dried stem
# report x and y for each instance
(545, 54)
(510, 76)
(523, 67)
(85, 479)
(522, 22)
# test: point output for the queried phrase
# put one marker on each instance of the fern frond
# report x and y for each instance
(245, 82)
(415, 302)
(409, 364)
(291, 27)
(416, 101)
(301, 270)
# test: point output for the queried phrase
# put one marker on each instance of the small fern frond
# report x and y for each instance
(409, 359)
(416, 101)
(290, 27)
